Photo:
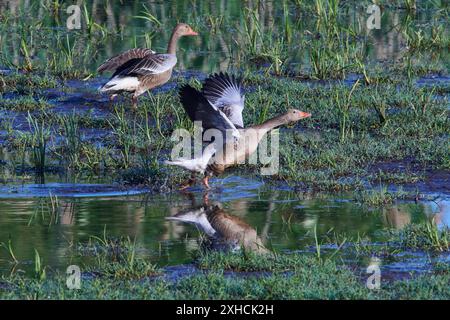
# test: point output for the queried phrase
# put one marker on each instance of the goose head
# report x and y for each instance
(294, 115)
(183, 29)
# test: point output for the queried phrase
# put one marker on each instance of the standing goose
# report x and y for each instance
(219, 106)
(139, 70)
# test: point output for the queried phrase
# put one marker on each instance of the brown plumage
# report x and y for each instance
(138, 70)
(222, 93)
(115, 62)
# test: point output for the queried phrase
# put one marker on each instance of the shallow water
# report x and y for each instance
(283, 220)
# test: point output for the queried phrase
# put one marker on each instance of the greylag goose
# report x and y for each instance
(139, 70)
(219, 106)
(224, 230)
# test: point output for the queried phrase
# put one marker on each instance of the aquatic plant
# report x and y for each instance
(260, 47)
(67, 59)
(72, 140)
(19, 82)
(10, 250)
(40, 136)
(410, 5)
(39, 269)
(343, 105)
(28, 66)
(47, 209)
(380, 196)
(91, 25)
(427, 236)
(327, 14)
(147, 15)
(117, 258)
(124, 135)
(25, 103)
(317, 244)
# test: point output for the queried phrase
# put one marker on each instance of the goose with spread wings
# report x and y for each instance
(138, 70)
(219, 106)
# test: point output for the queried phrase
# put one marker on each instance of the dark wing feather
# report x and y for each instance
(149, 65)
(123, 69)
(119, 60)
(198, 108)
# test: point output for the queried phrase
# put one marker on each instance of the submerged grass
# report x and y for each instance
(116, 258)
(380, 196)
(24, 103)
(424, 237)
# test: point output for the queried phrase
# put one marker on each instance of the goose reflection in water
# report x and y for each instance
(225, 231)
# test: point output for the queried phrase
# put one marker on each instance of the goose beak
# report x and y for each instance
(192, 33)
(305, 115)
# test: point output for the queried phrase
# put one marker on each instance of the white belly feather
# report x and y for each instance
(121, 83)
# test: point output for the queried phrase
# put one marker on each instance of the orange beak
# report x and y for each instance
(192, 33)
(305, 115)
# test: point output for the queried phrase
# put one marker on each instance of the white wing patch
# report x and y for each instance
(234, 113)
(225, 92)
(236, 133)
(230, 97)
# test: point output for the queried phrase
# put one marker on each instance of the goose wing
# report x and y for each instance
(149, 65)
(198, 108)
(120, 59)
(197, 216)
(225, 92)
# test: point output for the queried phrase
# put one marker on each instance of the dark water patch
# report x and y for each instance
(174, 273)
(432, 181)
(395, 262)
(433, 80)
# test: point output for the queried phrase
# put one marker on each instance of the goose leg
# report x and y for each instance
(205, 182)
(111, 100)
(134, 99)
(206, 199)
